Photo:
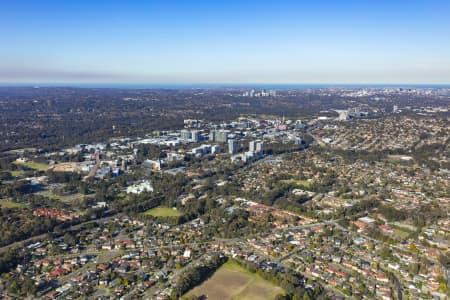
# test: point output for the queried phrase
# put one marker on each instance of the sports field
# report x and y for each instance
(33, 165)
(233, 282)
(16, 173)
(11, 204)
(162, 211)
(304, 183)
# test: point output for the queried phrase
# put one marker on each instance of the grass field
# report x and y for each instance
(162, 211)
(233, 282)
(16, 173)
(402, 234)
(33, 165)
(11, 204)
(304, 183)
(20, 151)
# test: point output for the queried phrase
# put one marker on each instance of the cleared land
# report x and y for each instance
(64, 198)
(67, 167)
(162, 211)
(233, 282)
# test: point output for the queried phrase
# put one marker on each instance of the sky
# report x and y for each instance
(233, 41)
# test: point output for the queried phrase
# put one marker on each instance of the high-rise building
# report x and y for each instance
(395, 109)
(185, 135)
(232, 147)
(221, 136)
(195, 136)
(215, 149)
(298, 141)
(252, 146)
(343, 115)
(259, 147)
(212, 136)
(356, 112)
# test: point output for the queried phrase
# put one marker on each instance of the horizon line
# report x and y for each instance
(139, 85)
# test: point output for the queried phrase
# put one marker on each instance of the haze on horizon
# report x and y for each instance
(289, 42)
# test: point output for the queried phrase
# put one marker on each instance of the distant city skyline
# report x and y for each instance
(232, 42)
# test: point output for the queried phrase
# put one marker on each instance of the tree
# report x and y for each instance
(414, 268)
(84, 189)
(414, 249)
(13, 287)
(28, 286)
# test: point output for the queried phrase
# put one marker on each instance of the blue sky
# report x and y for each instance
(371, 41)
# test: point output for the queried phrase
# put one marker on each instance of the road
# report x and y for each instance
(93, 171)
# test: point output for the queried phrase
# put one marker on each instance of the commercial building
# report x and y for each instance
(232, 146)
(395, 109)
(221, 136)
(260, 147)
(343, 115)
(212, 136)
(252, 146)
(215, 149)
(195, 136)
(185, 135)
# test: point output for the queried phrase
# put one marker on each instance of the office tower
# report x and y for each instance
(395, 109)
(343, 115)
(259, 147)
(212, 136)
(232, 146)
(185, 135)
(221, 136)
(215, 149)
(252, 146)
(195, 136)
